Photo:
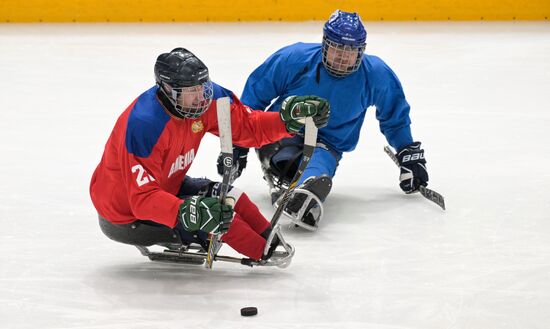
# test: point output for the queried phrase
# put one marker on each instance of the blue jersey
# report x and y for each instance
(298, 70)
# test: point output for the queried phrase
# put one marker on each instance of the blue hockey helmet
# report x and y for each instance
(344, 41)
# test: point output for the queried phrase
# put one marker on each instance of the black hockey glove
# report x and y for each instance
(295, 108)
(240, 155)
(206, 214)
(413, 168)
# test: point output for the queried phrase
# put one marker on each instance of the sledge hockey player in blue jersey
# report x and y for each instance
(339, 71)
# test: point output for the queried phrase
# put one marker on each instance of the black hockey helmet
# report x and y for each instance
(184, 80)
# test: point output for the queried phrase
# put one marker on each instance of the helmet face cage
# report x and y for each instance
(190, 102)
(341, 60)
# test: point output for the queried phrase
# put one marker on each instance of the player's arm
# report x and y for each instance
(392, 111)
(252, 128)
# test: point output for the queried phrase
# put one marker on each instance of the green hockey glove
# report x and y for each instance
(205, 214)
(295, 108)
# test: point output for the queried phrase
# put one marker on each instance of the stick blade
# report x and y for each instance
(433, 196)
(426, 192)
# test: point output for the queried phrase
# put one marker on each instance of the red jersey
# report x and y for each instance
(149, 152)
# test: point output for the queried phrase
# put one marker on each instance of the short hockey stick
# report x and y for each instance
(310, 141)
(226, 142)
(426, 192)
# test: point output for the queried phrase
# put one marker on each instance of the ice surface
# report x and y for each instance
(480, 95)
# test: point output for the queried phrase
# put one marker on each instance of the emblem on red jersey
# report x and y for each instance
(197, 127)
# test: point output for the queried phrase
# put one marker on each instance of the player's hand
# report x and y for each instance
(413, 168)
(295, 108)
(240, 155)
(206, 214)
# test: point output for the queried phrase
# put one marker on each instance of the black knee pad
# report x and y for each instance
(266, 152)
(281, 158)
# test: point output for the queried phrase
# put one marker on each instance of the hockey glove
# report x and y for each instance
(240, 155)
(295, 108)
(206, 214)
(413, 168)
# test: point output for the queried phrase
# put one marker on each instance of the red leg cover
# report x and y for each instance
(250, 213)
(244, 239)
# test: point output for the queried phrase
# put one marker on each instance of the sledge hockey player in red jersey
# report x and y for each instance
(140, 188)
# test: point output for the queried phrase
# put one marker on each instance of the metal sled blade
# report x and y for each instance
(173, 256)
(183, 256)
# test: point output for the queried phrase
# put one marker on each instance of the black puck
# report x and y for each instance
(249, 311)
